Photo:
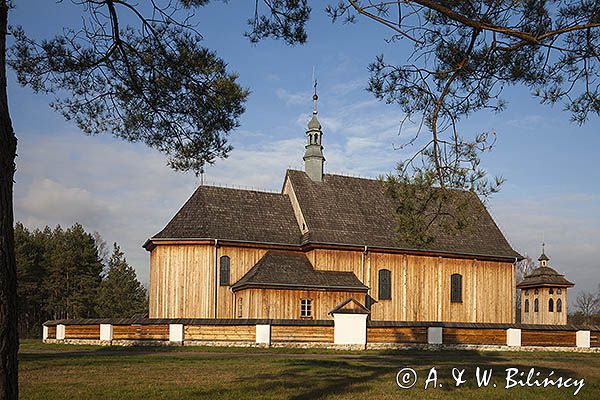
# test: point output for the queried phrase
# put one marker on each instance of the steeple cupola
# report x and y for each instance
(543, 258)
(313, 156)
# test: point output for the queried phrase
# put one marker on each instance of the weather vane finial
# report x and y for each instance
(315, 97)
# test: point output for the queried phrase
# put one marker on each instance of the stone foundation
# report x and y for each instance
(329, 346)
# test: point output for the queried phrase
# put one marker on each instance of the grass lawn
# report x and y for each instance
(90, 372)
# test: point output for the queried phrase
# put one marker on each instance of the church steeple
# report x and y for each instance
(313, 157)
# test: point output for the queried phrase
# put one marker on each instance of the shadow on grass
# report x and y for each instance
(304, 379)
(306, 375)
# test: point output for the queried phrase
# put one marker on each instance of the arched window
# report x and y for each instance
(559, 305)
(551, 305)
(551, 291)
(536, 305)
(240, 304)
(526, 305)
(456, 288)
(224, 271)
(535, 291)
(385, 284)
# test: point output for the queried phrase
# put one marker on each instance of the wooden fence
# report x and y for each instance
(318, 333)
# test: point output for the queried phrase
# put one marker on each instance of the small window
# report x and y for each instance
(385, 284)
(526, 292)
(559, 291)
(305, 308)
(536, 305)
(456, 288)
(535, 291)
(224, 271)
(551, 291)
(240, 306)
(551, 305)
(559, 305)
(526, 305)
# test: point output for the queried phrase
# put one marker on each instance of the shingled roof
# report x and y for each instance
(339, 210)
(349, 210)
(294, 270)
(234, 214)
(544, 276)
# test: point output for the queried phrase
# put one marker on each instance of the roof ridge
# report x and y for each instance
(242, 188)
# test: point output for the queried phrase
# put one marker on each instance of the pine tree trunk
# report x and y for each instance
(9, 340)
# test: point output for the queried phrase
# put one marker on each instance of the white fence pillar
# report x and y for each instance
(583, 339)
(263, 334)
(513, 337)
(106, 332)
(44, 332)
(176, 333)
(349, 328)
(60, 332)
(434, 335)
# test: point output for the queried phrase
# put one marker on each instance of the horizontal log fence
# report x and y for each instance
(355, 333)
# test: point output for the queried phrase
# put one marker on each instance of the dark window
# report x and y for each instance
(224, 271)
(527, 305)
(385, 284)
(240, 307)
(559, 305)
(456, 288)
(551, 305)
(551, 291)
(535, 291)
(536, 305)
(305, 308)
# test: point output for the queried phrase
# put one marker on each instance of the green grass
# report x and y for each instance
(90, 372)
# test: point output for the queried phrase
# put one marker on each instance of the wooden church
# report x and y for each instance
(324, 239)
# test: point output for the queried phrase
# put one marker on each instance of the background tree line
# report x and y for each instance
(67, 273)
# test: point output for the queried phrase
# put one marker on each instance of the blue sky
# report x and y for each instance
(127, 193)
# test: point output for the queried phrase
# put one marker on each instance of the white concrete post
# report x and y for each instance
(44, 332)
(583, 339)
(350, 329)
(106, 332)
(263, 334)
(60, 332)
(176, 333)
(434, 335)
(513, 337)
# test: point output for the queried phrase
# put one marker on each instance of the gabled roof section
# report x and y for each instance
(544, 276)
(350, 306)
(234, 214)
(356, 211)
(291, 270)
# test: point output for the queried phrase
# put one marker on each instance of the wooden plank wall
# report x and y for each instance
(182, 281)
(242, 259)
(221, 333)
(543, 316)
(141, 332)
(474, 336)
(82, 332)
(319, 334)
(421, 289)
(594, 338)
(182, 284)
(52, 332)
(285, 304)
(397, 335)
(548, 338)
